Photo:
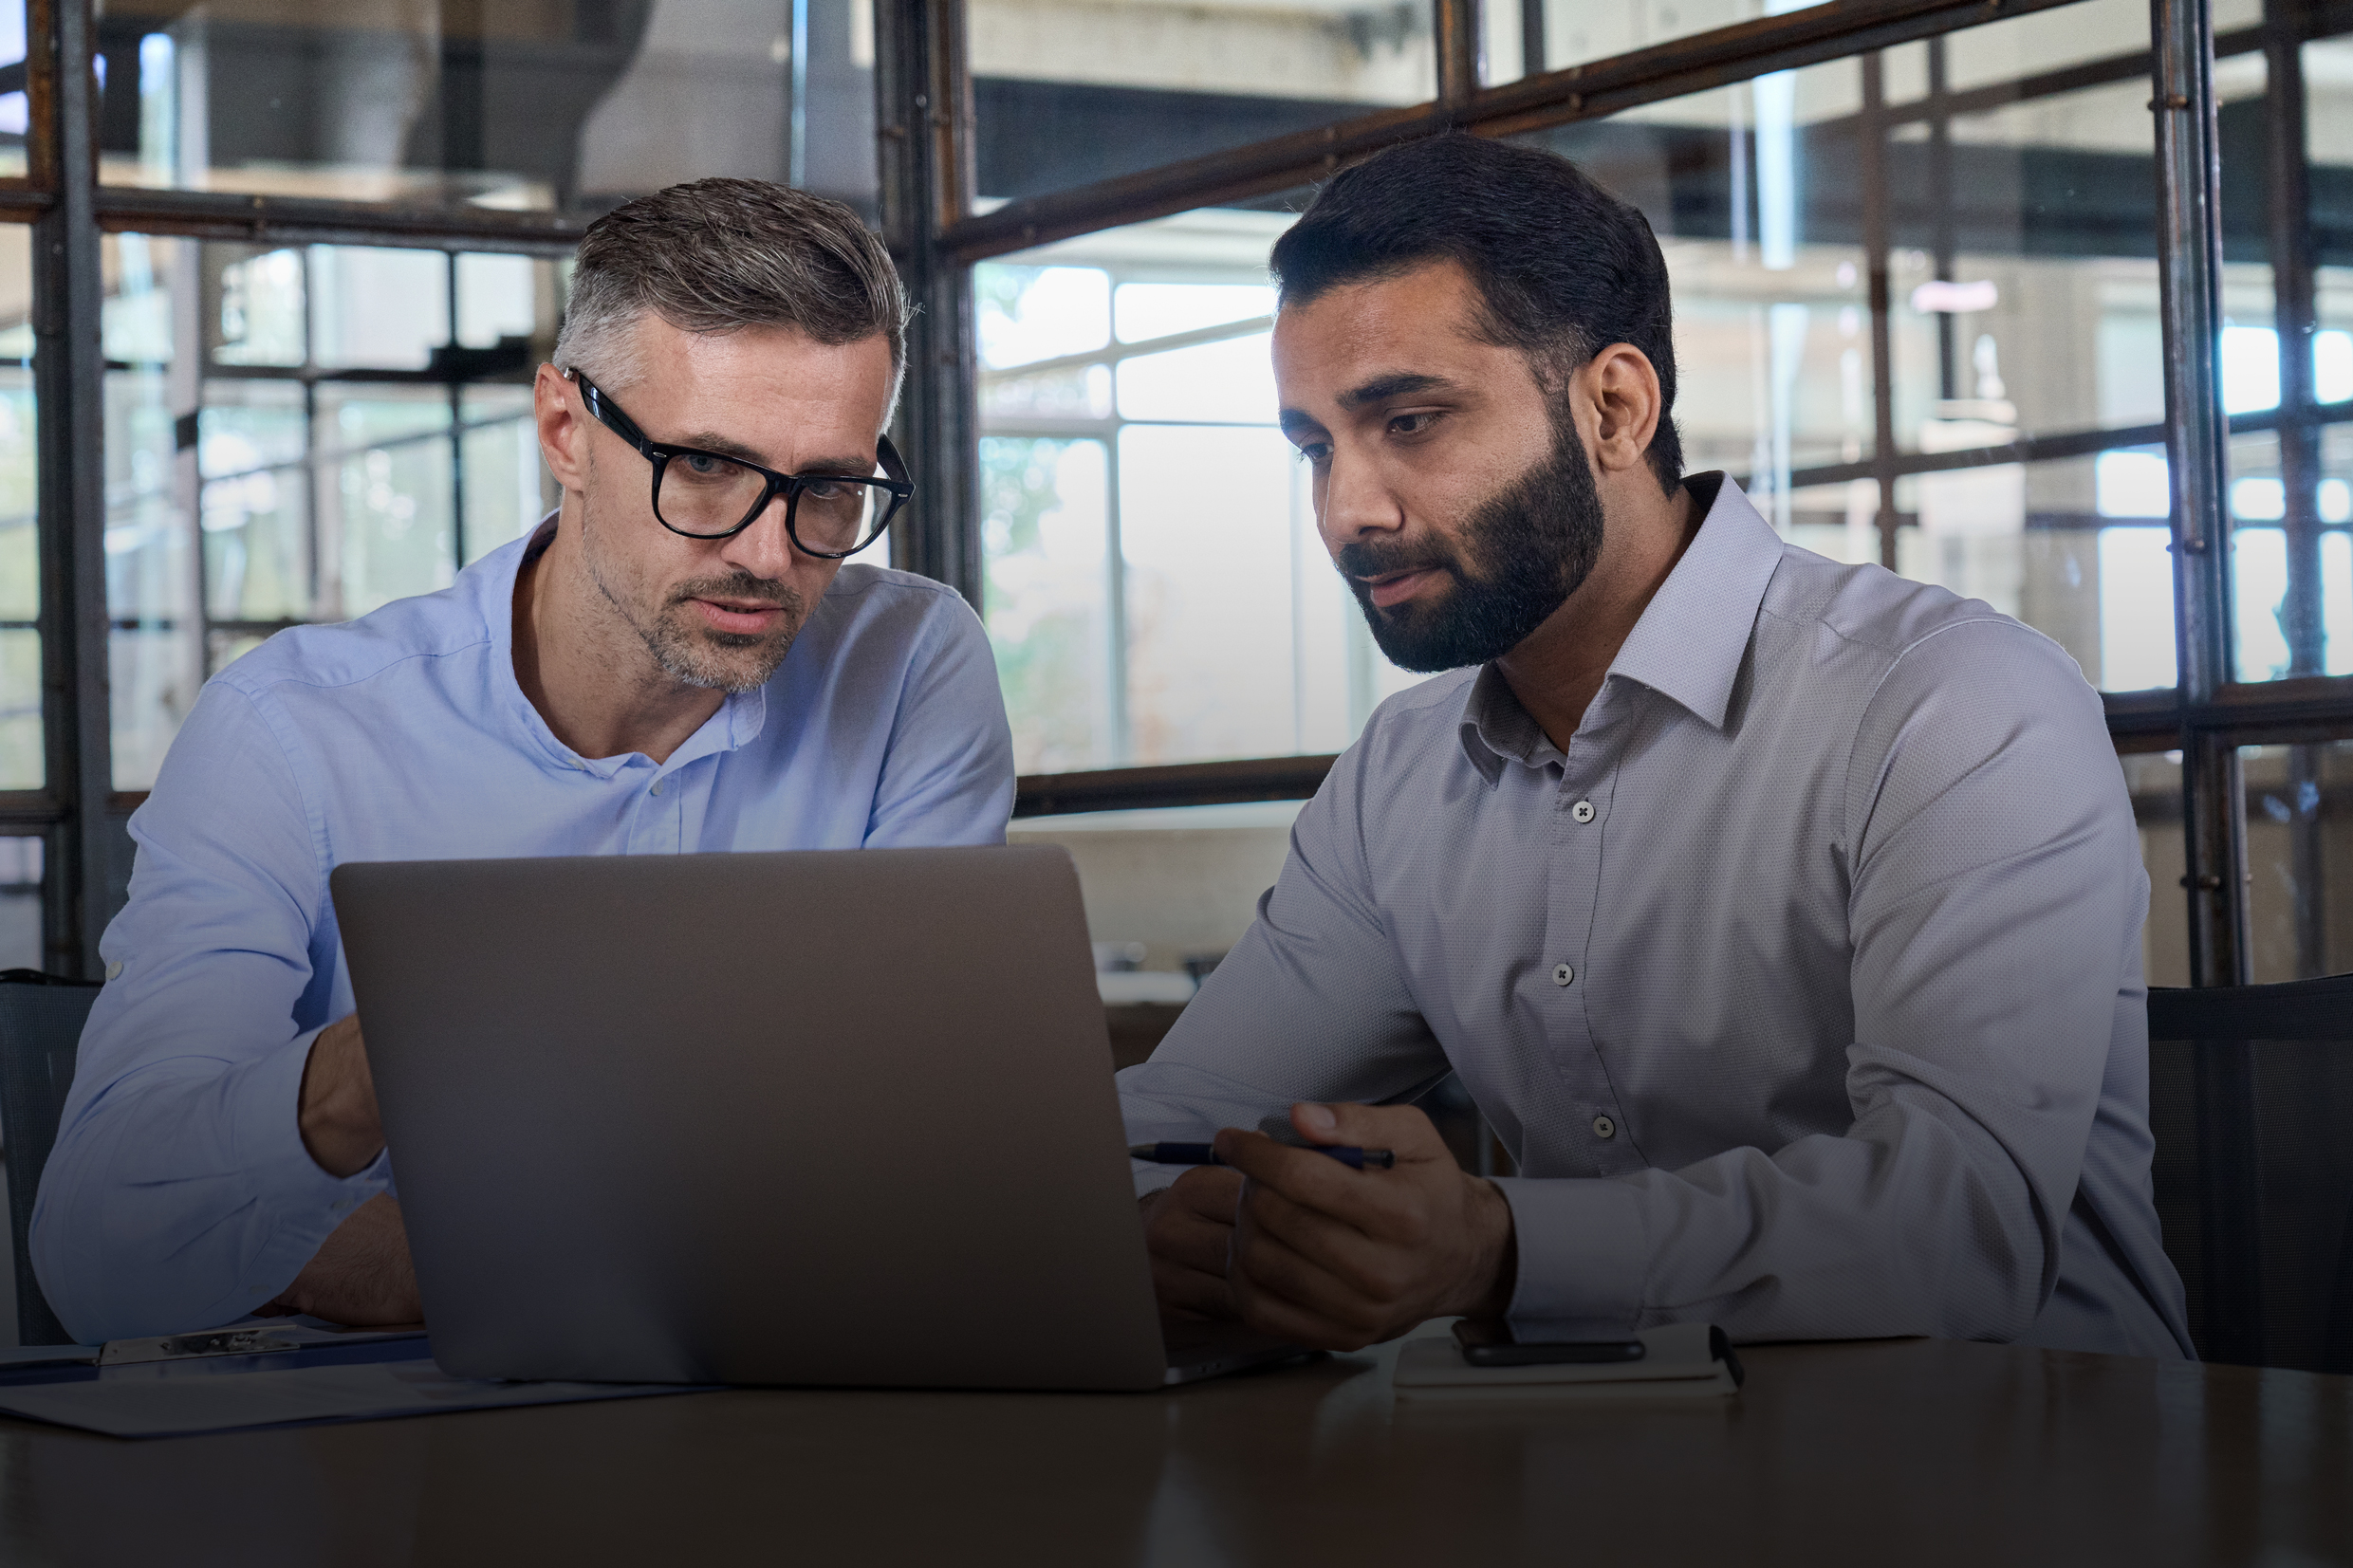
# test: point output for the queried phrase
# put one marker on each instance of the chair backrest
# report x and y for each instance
(2251, 1098)
(41, 1019)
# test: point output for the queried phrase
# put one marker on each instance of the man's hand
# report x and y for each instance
(1340, 1258)
(337, 1107)
(1189, 1230)
(360, 1275)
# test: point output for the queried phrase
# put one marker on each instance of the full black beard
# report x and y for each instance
(1530, 546)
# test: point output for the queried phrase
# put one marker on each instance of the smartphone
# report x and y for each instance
(1493, 1345)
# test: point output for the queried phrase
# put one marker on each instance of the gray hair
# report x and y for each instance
(721, 255)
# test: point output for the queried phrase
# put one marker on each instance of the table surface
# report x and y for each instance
(1894, 1452)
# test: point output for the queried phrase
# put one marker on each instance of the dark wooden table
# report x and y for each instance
(1895, 1452)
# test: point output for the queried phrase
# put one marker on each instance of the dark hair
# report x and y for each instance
(1562, 268)
(718, 255)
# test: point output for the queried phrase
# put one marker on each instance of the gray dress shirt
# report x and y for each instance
(1804, 989)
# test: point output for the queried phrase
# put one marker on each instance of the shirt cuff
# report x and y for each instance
(266, 1096)
(1582, 1254)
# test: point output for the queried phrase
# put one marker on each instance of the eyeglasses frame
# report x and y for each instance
(896, 482)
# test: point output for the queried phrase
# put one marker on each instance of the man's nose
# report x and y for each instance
(764, 549)
(1357, 503)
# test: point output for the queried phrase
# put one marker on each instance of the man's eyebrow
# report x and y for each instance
(1382, 388)
(1293, 420)
(711, 441)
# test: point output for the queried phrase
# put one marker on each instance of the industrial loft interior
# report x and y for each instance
(2042, 302)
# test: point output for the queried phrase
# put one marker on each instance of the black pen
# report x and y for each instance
(1206, 1154)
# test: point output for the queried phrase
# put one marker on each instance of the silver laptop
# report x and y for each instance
(831, 1118)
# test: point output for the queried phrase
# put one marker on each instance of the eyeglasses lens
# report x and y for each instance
(702, 495)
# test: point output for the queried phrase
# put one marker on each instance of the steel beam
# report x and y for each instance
(68, 371)
(923, 116)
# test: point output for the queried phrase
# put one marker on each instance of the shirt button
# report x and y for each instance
(1604, 1128)
(1582, 811)
(114, 971)
(1563, 974)
(657, 784)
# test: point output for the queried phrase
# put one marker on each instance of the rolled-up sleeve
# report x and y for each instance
(1992, 860)
(949, 775)
(179, 1195)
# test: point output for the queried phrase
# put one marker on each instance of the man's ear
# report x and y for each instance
(563, 427)
(1621, 388)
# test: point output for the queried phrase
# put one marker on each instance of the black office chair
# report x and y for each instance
(2251, 1097)
(41, 1019)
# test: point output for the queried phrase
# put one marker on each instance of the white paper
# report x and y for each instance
(167, 1400)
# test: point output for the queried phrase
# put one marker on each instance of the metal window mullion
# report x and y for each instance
(68, 368)
(1456, 29)
(1871, 140)
(2190, 304)
(923, 119)
(2295, 317)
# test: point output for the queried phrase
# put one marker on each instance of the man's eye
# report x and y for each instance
(704, 467)
(1411, 424)
(1315, 451)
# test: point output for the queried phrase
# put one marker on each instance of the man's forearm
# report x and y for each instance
(361, 1273)
(338, 1111)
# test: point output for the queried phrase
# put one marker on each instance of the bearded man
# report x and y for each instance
(677, 660)
(1782, 916)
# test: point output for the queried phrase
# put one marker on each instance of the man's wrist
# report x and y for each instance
(1494, 1272)
(336, 1112)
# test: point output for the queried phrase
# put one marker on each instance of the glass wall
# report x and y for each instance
(546, 104)
(1067, 92)
(1157, 592)
(282, 448)
(1155, 584)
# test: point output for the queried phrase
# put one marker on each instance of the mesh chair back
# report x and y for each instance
(41, 1019)
(2251, 1098)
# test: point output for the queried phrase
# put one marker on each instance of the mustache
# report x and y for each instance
(1380, 558)
(737, 585)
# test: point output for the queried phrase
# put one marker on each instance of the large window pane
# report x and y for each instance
(2299, 815)
(302, 433)
(535, 106)
(1749, 190)
(21, 761)
(1050, 616)
(16, 128)
(1066, 92)
(1157, 592)
(2291, 484)
(2154, 779)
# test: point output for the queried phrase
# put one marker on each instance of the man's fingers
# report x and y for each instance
(1406, 1131)
(1189, 1233)
(1189, 1290)
(1334, 1243)
(1264, 1266)
(1278, 1292)
(1208, 1190)
(1317, 1180)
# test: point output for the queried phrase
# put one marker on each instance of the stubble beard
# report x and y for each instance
(683, 648)
(1533, 542)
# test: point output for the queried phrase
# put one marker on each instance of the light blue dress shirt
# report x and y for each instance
(1805, 988)
(179, 1195)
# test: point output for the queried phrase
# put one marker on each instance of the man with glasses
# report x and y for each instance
(678, 660)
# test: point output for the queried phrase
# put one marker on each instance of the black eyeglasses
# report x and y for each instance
(706, 496)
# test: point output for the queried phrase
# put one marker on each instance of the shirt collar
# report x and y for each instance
(1688, 645)
(736, 723)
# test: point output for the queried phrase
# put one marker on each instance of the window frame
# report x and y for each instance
(925, 114)
(925, 140)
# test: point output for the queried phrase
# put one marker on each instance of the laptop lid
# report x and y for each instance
(834, 1117)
